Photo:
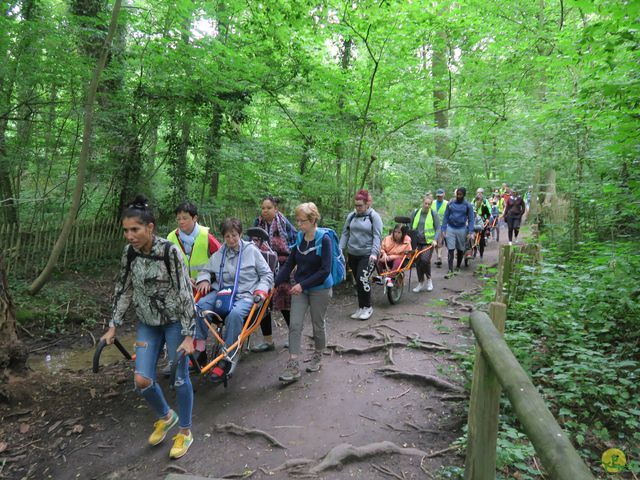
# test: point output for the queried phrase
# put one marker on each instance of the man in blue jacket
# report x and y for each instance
(457, 227)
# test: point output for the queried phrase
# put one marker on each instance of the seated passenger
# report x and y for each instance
(393, 249)
(254, 280)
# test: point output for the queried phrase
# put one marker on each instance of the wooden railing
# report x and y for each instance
(495, 369)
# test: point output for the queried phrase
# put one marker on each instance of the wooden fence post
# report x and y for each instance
(559, 458)
(484, 408)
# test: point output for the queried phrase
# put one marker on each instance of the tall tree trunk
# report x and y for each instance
(212, 151)
(441, 86)
(13, 356)
(39, 282)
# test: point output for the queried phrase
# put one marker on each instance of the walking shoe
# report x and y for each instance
(161, 428)
(419, 287)
(316, 362)
(389, 283)
(357, 313)
(263, 347)
(438, 263)
(366, 313)
(291, 373)
(181, 444)
(429, 285)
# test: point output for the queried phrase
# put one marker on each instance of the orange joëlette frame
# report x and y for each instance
(413, 258)
(479, 233)
(251, 324)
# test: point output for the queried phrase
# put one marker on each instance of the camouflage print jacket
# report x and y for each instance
(159, 296)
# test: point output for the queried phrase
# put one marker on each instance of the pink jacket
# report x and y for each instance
(395, 250)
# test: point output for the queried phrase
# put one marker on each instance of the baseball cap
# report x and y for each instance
(440, 192)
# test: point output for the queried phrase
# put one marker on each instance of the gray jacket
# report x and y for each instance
(362, 234)
(255, 273)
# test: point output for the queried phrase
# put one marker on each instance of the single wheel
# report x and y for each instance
(394, 294)
(466, 261)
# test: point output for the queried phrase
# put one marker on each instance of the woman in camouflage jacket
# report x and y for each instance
(153, 278)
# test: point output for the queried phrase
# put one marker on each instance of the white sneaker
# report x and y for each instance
(357, 313)
(366, 313)
(429, 285)
(419, 287)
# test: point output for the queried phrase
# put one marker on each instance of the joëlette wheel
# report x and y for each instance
(395, 293)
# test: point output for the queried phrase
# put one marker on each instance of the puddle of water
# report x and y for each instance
(80, 358)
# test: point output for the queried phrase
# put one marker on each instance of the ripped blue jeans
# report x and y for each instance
(149, 342)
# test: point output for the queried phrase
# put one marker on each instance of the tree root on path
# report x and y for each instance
(342, 454)
(363, 351)
(345, 452)
(234, 429)
(417, 345)
(429, 380)
(387, 471)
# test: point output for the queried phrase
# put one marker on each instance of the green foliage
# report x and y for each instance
(573, 324)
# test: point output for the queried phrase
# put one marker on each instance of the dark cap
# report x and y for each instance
(440, 192)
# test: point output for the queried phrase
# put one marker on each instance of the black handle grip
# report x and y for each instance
(96, 355)
(174, 367)
(100, 347)
(123, 350)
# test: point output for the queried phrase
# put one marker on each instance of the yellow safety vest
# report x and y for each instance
(199, 253)
(440, 212)
(429, 231)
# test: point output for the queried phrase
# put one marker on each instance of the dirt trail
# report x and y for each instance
(79, 425)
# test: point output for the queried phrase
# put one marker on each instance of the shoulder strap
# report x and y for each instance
(350, 219)
(131, 255)
(167, 252)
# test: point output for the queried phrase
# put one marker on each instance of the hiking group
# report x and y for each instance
(162, 278)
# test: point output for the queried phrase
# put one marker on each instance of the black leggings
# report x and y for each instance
(458, 259)
(513, 223)
(483, 242)
(265, 325)
(423, 263)
(361, 271)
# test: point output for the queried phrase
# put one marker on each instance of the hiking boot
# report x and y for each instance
(420, 287)
(181, 444)
(264, 347)
(315, 363)
(291, 373)
(161, 428)
(357, 313)
(366, 313)
(429, 285)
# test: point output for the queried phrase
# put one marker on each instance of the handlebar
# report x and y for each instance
(100, 347)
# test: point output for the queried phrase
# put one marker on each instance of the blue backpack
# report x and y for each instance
(338, 264)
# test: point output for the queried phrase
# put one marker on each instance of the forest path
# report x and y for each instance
(94, 426)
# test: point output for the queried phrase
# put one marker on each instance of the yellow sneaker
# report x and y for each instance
(161, 428)
(181, 444)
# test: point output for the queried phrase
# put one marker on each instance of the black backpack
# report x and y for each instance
(132, 254)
